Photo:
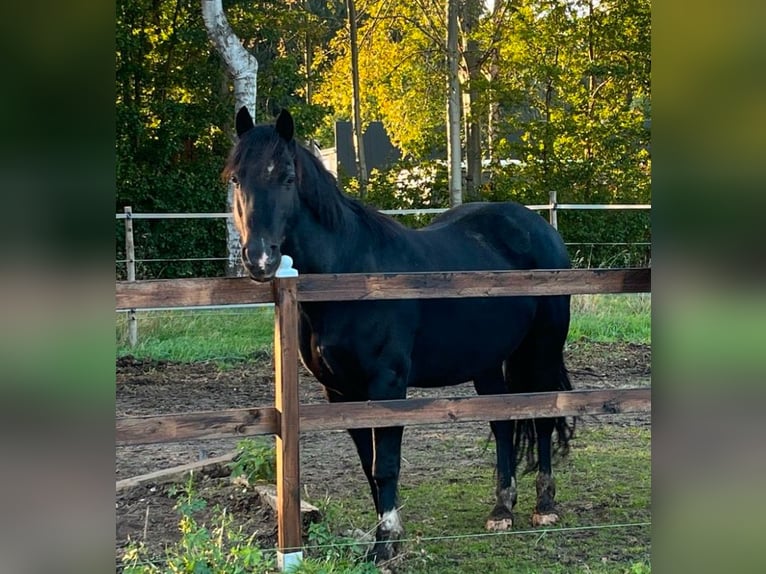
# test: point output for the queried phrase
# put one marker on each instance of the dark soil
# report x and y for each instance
(329, 465)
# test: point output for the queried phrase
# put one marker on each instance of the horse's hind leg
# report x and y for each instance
(538, 366)
(501, 517)
(545, 509)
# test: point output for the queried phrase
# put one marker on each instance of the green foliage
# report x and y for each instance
(221, 549)
(256, 461)
(398, 63)
(330, 553)
(407, 184)
(218, 549)
(567, 85)
(640, 568)
(175, 112)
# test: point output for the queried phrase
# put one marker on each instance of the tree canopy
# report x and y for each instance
(561, 86)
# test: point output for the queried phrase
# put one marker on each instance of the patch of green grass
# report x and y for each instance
(612, 318)
(602, 489)
(205, 335)
(238, 334)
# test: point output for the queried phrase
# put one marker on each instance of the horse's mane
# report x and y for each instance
(323, 196)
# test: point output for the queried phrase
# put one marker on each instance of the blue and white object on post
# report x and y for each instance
(286, 268)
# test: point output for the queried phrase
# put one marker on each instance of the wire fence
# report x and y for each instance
(551, 207)
(540, 532)
(188, 259)
(581, 257)
(395, 212)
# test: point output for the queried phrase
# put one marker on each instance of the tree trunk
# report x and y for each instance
(493, 118)
(453, 108)
(243, 68)
(471, 74)
(472, 145)
(361, 162)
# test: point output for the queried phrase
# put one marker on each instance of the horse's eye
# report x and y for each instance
(234, 180)
(290, 179)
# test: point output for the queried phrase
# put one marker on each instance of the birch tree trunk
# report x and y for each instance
(453, 108)
(243, 68)
(361, 161)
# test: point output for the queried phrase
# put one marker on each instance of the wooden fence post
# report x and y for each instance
(289, 535)
(130, 257)
(554, 214)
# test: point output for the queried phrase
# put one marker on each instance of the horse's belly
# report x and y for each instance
(460, 341)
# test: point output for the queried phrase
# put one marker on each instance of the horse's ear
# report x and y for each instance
(244, 121)
(285, 125)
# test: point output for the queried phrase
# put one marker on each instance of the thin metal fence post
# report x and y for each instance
(130, 257)
(289, 535)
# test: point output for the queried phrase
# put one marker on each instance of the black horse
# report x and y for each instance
(287, 202)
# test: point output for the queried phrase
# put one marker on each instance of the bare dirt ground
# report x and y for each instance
(329, 464)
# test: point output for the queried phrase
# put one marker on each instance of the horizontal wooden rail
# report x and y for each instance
(354, 287)
(192, 292)
(234, 423)
(161, 293)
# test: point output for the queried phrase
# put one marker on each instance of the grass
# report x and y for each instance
(622, 318)
(240, 334)
(208, 335)
(604, 494)
(604, 497)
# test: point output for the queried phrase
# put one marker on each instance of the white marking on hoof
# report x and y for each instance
(499, 524)
(390, 522)
(544, 519)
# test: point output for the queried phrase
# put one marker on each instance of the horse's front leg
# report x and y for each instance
(385, 471)
(388, 384)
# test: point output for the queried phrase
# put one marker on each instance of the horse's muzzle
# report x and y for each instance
(261, 264)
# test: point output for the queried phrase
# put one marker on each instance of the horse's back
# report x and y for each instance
(519, 237)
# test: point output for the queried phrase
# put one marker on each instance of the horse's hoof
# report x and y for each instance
(500, 519)
(499, 524)
(544, 519)
(385, 549)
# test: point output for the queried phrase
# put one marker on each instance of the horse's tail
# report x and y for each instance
(525, 436)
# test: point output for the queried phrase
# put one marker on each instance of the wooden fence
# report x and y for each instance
(287, 418)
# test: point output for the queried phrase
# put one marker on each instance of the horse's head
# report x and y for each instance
(262, 168)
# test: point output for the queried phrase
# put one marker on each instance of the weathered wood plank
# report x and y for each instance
(352, 287)
(175, 473)
(470, 409)
(268, 493)
(289, 535)
(231, 423)
(358, 286)
(192, 292)
(235, 423)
